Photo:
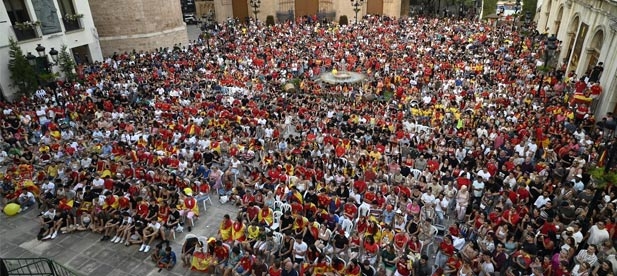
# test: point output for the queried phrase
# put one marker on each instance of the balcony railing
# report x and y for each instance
(26, 34)
(72, 25)
(33, 266)
(283, 16)
(327, 15)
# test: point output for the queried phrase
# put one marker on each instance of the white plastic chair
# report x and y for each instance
(347, 226)
(429, 245)
(202, 239)
(277, 237)
(276, 221)
(277, 205)
(364, 210)
(285, 207)
(416, 173)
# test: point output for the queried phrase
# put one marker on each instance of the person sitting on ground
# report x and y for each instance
(168, 261)
(188, 248)
(150, 232)
(158, 254)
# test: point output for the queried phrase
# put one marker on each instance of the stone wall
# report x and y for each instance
(167, 38)
(138, 24)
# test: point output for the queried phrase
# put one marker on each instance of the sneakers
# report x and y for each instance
(54, 235)
(114, 239)
(143, 246)
(147, 249)
(121, 241)
(47, 237)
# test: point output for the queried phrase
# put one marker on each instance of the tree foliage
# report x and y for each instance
(23, 76)
(489, 7)
(66, 64)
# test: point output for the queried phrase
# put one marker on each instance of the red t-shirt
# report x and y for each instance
(351, 211)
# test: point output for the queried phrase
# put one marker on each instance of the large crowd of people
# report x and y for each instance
(456, 156)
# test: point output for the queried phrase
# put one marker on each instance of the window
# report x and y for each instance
(66, 7)
(17, 11)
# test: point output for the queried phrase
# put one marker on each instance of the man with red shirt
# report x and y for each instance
(403, 267)
(252, 213)
(221, 253)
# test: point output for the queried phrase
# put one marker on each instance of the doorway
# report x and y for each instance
(307, 7)
(374, 7)
(241, 9)
(81, 54)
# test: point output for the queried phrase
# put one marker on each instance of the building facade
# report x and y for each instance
(587, 30)
(285, 9)
(138, 24)
(56, 23)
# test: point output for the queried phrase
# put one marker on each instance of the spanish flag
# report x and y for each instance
(215, 146)
(193, 129)
(602, 159)
(133, 155)
(65, 205)
(297, 196)
(55, 134)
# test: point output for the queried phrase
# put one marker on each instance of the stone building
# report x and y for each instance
(138, 24)
(587, 31)
(56, 23)
(283, 9)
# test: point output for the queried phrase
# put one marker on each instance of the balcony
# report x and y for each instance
(72, 25)
(283, 16)
(23, 34)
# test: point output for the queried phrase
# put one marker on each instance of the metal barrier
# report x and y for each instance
(33, 266)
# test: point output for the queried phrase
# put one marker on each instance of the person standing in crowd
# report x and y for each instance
(456, 119)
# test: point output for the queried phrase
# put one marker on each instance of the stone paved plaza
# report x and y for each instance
(85, 254)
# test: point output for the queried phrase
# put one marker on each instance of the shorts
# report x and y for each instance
(299, 260)
(188, 213)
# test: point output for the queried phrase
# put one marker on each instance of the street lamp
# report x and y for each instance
(356, 4)
(31, 59)
(549, 51)
(43, 67)
(255, 4)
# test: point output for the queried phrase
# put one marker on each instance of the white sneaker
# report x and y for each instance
(47, 237)
(147, 249)
(121, 241)
(54, 235)
(114, 239)
(143, 246)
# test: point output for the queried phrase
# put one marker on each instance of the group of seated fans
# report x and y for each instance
(463, 169)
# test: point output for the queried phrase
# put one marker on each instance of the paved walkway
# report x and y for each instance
(85, 254)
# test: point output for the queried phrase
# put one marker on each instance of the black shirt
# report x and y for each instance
(340, 241)
(286, 221)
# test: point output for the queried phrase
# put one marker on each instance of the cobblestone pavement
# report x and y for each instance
(85, 254)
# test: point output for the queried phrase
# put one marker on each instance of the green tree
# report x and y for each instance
(66, 64)
(489, 7)
(23, 76)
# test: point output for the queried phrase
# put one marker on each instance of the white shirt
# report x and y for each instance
(597, 236)
(478, 188)
(300, 250)
(98, 182)
(541, 201)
